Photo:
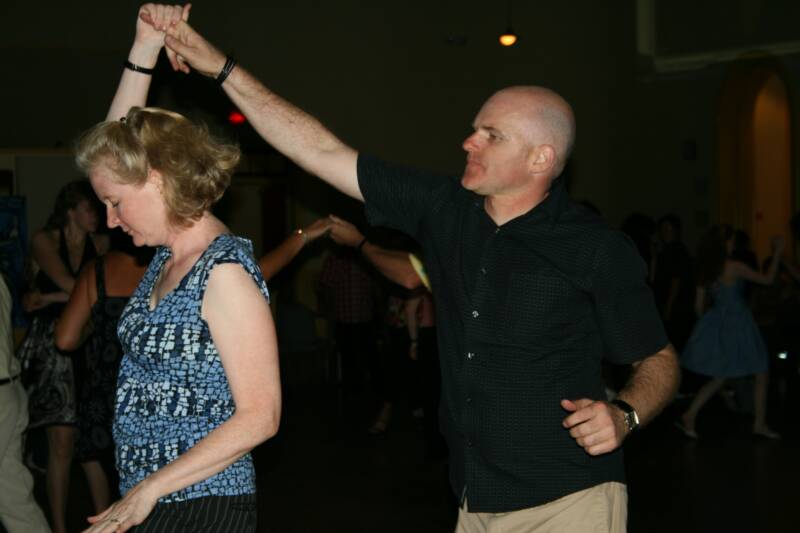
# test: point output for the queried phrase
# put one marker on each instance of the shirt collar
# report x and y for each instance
(551, 207)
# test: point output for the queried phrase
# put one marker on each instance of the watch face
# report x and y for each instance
(632, 420)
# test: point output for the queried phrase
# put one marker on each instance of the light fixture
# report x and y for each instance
(508, 38)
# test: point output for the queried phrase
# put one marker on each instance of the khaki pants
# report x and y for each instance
(600, 509)
(18, 510)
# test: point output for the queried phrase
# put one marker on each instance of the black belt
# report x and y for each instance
(6, 381)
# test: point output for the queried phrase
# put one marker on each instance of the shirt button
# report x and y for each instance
(483, 270)
(497, 230)
(470, 355)
(475, 314)
(469, 400)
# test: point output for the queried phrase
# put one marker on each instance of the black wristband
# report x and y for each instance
(361, 244)
(226, 70)
(136, 68)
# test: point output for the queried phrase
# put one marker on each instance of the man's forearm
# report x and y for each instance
(652, 384)
(294, 133)
(393, 264)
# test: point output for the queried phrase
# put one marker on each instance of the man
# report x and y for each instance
(530, 290)
(19, 512)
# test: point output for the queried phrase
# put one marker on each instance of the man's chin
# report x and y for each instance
(471, 183)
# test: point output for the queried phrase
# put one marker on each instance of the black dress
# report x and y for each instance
(103, 354)
(48, 374)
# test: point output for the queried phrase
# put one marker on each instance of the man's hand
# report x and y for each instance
(343, 232)
(598, 427)
(152, 22)
(194, 49)
(318, 228)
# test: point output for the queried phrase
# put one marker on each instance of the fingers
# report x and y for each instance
(573, 406)
(98, 517)
(592, 426)
(174, 15)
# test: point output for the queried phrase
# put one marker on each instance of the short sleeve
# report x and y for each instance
(396, 196)
(236, 250)
(629, 321)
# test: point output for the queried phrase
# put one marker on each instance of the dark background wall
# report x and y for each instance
(389, 79)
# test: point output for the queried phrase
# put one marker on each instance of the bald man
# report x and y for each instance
(532, 291)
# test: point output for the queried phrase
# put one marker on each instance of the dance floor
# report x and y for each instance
(325, 473)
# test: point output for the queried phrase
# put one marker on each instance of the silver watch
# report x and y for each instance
(629, 414)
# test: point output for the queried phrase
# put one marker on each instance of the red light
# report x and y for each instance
(236, 118)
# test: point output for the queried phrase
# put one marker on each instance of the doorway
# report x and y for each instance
(756, 189)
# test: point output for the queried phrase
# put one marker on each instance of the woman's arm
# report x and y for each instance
(276, 259)
(45, 254)
(241, 326)
(151, 22)
(741, 270)
(72, 327)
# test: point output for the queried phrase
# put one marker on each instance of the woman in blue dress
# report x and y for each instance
(198, 385)
(726, 342)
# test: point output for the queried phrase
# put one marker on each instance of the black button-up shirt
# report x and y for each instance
(525, 312)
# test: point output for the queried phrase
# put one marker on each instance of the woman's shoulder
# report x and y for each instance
(45, 237)
(227, 247)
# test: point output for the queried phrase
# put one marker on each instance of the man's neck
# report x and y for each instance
(503, 208)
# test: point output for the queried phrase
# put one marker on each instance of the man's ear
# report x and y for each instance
(542, 158)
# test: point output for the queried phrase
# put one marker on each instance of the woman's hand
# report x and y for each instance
(318, 228)
(126, 513)
(152, 23)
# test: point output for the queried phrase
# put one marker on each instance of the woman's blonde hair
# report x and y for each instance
(195, 167)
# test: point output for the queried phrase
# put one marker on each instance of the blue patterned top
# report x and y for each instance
(172, 390)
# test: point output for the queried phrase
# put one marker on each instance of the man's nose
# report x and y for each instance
(471, 143)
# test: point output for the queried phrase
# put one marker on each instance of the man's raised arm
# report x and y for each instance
(291, 131)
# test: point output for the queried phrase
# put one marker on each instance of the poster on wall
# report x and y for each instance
(13, 239)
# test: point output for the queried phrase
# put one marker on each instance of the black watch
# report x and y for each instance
(629, 414)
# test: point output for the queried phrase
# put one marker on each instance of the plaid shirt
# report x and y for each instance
(351, 287)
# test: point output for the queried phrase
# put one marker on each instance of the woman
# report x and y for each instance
(726, 342)
(198, 385)
(58, 252)
(101, 292)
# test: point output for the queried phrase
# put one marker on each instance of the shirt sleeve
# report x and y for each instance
(395, 196)
(629, 321)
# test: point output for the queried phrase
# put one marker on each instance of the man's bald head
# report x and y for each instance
(545, 117)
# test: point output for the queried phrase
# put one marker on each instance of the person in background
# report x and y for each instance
(406, 270)
(19, 512)
(726, 342)
(103, 288)
(350, 296)
(58, 251)
(673, 281)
